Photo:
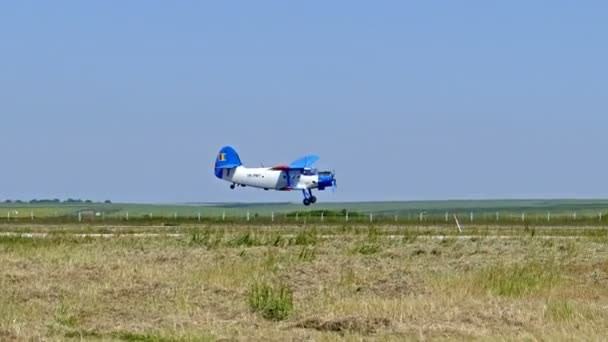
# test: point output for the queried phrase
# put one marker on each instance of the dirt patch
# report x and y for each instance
(348, 324)
(6, 335)
(598, 277)
(307, 277)
(394, 284)
(418, 252)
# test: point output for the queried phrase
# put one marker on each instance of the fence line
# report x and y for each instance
(421, 217)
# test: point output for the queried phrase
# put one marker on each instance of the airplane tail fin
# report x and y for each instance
(227, 158)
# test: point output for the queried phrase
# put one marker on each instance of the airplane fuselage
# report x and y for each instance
(268, 179)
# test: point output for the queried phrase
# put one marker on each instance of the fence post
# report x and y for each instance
(600, 216)
(346, 217)
(297, 216)
(175, 216)
(396, 217)
(446, 216)
(272, 216)
(224, 216)
(523, 216)
(127, 216)
(79, 216)
(458, 223)
(322, 216)
(32, 215)
(199, 216)
(471, 216)
(248, 216)
(420, 217)
(548, 216)
(497, 217)
(574, 216)
(371, 217)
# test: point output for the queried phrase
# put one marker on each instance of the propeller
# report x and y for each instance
(334, 181)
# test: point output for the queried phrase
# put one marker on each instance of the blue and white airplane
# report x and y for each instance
(299, 175)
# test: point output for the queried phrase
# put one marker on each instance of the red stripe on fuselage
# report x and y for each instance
(280, 168)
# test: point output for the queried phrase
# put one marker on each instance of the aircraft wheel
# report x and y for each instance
(232, 186)
(313, 200)
(306, 202)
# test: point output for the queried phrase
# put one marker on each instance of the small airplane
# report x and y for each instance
(299, 175)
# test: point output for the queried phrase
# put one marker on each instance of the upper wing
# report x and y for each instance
(300, 164)
(304, 162)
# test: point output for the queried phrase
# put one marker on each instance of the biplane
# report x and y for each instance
(297, 176)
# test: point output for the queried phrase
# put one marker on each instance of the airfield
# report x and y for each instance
(534, 270)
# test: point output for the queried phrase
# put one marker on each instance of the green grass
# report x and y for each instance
(305, 237)
(517, 280)
(367, 248)
(560, 310)
(273, 303)
(307, 254)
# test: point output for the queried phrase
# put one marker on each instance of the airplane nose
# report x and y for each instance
(326, 181)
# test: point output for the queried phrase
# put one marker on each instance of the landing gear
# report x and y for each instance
(308, 197)
(311, 198)
(232, 186)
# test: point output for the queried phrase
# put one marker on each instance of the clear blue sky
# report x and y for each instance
(131, 100)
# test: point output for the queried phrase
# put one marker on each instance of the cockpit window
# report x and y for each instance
(309, 172)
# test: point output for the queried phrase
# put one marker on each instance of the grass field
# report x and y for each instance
(325, 283)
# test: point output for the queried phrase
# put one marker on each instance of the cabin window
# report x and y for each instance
(309, 172)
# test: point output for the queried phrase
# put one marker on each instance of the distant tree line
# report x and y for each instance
(55, 201)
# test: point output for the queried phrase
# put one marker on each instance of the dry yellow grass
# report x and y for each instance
(345, 287)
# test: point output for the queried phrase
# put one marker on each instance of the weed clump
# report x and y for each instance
(307, 254)
(560, 310)
(197, 239)
(247, 239)
(273, 303)
(367, 248)
(305, 238)
(205, 239)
